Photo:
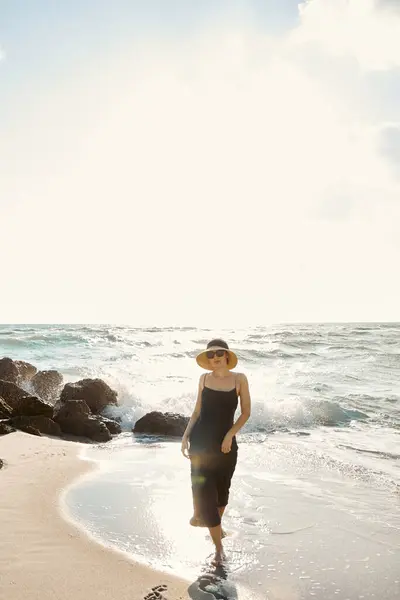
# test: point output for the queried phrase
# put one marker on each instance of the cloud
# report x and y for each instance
(2, 54)
(353, 29)
(332, 43)
(153, 156)
(389, 143)
(394, 4)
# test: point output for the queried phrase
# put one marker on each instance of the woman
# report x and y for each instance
(209, 440)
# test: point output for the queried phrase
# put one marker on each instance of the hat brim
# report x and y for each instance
(204, 362)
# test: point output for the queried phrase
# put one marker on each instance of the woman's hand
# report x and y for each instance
(185, 447)
(227, 443)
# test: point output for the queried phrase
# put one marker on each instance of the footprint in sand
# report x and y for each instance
(156, 593)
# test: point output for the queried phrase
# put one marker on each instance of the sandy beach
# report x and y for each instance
(296, 528)
(42, 556)
(314, 504)
(313, 548)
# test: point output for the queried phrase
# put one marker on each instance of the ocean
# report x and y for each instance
(318, 474)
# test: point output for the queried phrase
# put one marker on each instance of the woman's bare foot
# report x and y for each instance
(219, 558)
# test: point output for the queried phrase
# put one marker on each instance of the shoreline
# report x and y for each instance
(47, 552)
(44, 553)
(90, 474)
(291, 534)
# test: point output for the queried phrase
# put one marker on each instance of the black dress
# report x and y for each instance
(211, 469)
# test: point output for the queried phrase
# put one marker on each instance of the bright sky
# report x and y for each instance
(223, 162)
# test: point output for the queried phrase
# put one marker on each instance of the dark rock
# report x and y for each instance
(112, 426)
(74, 418)
(47, 384)
(16, 371)
(95, 392)
(1, 463)
(39, 422)
(30, 405)
(31, 430)
(11, 393)
(158, 423)
(25, 370)
(5, 409)
(96, 430)
(5, 428)
(8, 370)
(72, 410)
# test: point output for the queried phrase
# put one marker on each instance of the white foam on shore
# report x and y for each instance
(98, 468)
(290, 529)
(101, 468)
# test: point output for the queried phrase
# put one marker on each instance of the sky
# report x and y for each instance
(215, 163)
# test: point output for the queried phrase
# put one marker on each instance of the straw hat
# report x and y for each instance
(203, 361)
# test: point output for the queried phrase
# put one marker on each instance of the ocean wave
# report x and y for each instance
(375, 402)
(283, 362)
(379, 453)
(164, 329)
(314, 457)
(280, 416)
(254, 355)
(31, 340)
(48, 337)
(84, 337)
(309, 414)
(321, 387)
(256, 337)
(392, 399)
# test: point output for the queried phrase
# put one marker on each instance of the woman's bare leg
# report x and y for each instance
(216, 535)
(221, 510)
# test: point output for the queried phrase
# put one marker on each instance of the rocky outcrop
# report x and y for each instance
(113, 426)
(5, 428)
(5, 409)
(39, 422)
(8, 370)
(47, 384)
(74, 418)
(31, 405)
(46, 411)
(95, 392)
(31, 430)
(158, 423)
(11, 393)
(23, 403)
(72, 410)
(1, 464)
(96, 430)
(25, 370)
(16, 371)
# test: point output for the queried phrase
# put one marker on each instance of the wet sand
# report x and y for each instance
(42, 555)
(293, 534)
(287, 540)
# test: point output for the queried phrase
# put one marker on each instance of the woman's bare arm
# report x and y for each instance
(245, 406)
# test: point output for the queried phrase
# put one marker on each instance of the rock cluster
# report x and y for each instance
(50, 409)
(37, 402)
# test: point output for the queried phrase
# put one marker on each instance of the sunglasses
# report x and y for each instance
(212, 353)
